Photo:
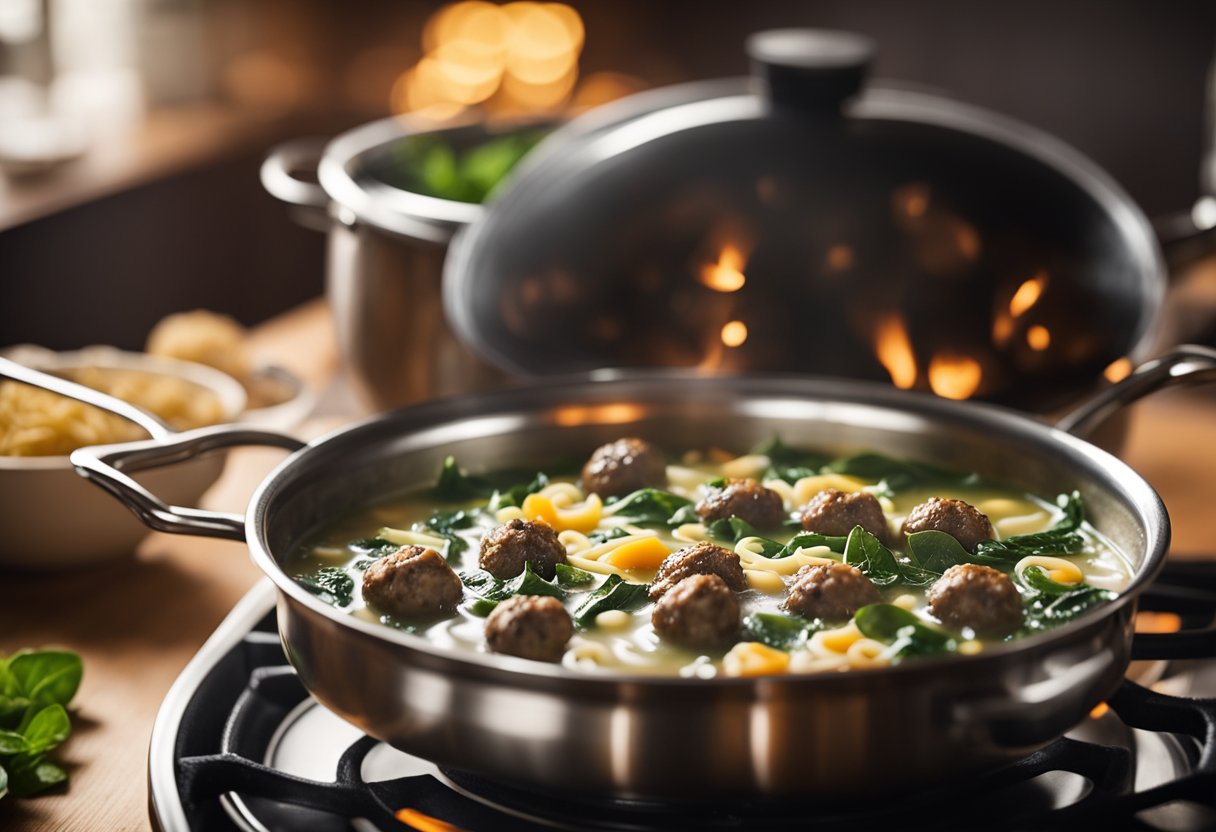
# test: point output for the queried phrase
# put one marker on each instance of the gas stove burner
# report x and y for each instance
(240, 745)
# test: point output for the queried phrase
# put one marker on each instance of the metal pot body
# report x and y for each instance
(385, 298)
(821, 736)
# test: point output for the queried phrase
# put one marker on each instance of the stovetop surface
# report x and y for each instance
(240, 745)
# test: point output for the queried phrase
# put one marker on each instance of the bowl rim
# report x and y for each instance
(230, 392)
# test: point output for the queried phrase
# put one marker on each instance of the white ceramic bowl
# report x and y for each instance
(52, 518)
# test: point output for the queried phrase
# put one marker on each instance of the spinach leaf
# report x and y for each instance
(445, 524)
(489, 588)
(907, 634)
(604, 535)
(455, 485)
(613, 594)
(3, 782)
(481, 607)
(937, 551)
(47, 677)
(809, 539)
(1036, 579)
(49, 728)
(514, 495)
(649, 506)
(733, 529)
(11, 742)
(1045, 610)
(876, 562)
(789, 464)
(898, 474)
(783, 632)
(34, 776)
(329, 583)
(373, 547)
(571, 576)
(1061, 539)
(685, 514)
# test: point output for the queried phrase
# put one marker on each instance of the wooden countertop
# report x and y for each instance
(138, 622)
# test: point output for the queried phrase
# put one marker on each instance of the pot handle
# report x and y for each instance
(280, 175)
(1187, 364)
(105, 465)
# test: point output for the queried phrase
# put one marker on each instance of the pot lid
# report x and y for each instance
(804, 224)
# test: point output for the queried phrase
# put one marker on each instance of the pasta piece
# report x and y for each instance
(907, 602)
(643, 554)
(582, 517)
(805, 661)
(764, 581)
(403, 537)
(691, 533)
(834, 642)
(748, 551)
(1020, 524)
(1059, 570)
(807, 487)
(749, 466)
(586, 652)
(785, 490)
(751, 658)
(574, 542)
(613, 620)
(867, 652)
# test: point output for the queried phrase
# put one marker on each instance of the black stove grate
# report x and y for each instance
(249, 693)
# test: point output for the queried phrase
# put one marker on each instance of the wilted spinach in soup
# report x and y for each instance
(776, 561)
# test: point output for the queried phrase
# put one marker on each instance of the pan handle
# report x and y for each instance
(105, 465)
(1187, 364)
(281, 177)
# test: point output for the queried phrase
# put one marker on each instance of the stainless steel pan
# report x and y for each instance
(821, 736)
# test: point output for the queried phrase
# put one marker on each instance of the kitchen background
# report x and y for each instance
(131, 130)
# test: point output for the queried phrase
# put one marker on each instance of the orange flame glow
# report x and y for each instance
(1118, 370)
(1148, 621)
(1099, 710)
(1038, 337)
(726, 275)
(894, 351)
(423, 822)
(1027, 295)
(955, 376)
(734, 333)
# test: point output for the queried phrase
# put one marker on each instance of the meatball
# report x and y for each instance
(699, 611)
(505, 549)
(623, 466)
(531, 627)
(962, 521)
(831, 591)
(702, 558)
(837, 512)
(979, 597)
(412, 582)
(746, 499)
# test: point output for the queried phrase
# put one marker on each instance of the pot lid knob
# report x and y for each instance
(815, 70)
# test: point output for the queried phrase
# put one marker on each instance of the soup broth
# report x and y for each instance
(1059, 564)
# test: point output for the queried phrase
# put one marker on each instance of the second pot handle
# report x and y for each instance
(280, 177)
(1187, 364)
(105, 465)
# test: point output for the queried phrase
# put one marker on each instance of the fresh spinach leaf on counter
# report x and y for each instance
(783, 632)
(790, 464)
(330, 583)
(35, 688)
(613, 594)
(1061, 539)
(907, 634)
(649, 506)
(573, 577)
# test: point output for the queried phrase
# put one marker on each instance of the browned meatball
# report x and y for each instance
(837, 512)
(702, 558)
(699, 611)
(623, 466)
(505, 549)
(412, 582)
(746, 499)
(530, 626)
(962, 521)
(831, 591)
(979, 597)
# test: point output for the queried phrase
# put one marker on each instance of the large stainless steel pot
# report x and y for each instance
(824, 736)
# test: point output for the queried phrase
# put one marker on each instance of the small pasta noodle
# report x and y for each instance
(1058, 569)
(748, 550)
